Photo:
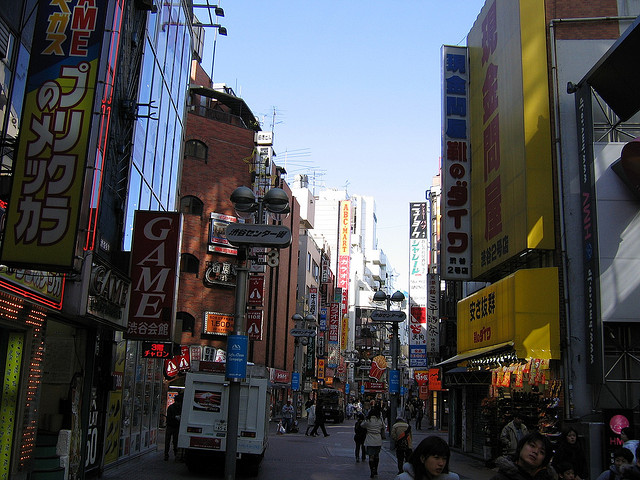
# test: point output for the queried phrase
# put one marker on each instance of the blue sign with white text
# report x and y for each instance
(237, 347)
(394, 381)
(362, 389)
(347, 388)
(295, 381)
(322, 319)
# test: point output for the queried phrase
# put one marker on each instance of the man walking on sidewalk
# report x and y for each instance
(173, 426)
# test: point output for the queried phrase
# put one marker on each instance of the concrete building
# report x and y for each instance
(554, 222)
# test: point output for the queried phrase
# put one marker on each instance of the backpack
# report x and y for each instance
(403, 440)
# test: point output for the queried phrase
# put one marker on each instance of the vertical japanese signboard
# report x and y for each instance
(313, 301)
(418, 254)
(334, 323)
(456, 167)
(44, 210)
(433, 311)
(512, 181)
(154, 275)
(344, 252)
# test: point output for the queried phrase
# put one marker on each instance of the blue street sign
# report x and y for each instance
(403, 390)
(237, 347)
(394, 381)
(295, 381)
(347, 388)
(362, 389)
(322, 320)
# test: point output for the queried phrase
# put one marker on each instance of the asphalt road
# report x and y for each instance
(295, 456)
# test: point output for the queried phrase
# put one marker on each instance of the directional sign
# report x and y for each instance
(385, 316)
(300, 332)
(277, 236)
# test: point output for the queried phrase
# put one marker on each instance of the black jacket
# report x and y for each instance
(508, 470)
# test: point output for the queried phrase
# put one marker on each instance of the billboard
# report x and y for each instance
(344, 252)
(52, 158)
(456, 166)
(418, 268)
(511, 184)
(154, 275)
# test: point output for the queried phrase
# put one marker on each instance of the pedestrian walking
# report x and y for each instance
(401, 435)
(419, 415)
(375, 434)
(359, 437)
(319, 423)
(529, 461)
(569, 449)
(622, 459)
(633, 471)
(311, 417)
(512, 433)
(429, 461)
(287, 416)
(174, 413)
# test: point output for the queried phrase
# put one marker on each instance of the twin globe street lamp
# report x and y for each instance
(244, 236)
(394, 318)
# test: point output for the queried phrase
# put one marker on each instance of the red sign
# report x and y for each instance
(280, 376)
(435, 383)
(170, 369)
(256, 290)
(156, 349)
(334, 322)
(184, 360)
(374, 387)
(154, 274)
(254, 324)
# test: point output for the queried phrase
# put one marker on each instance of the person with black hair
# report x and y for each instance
(633, 471)
(429, 461)
(629, 441)
(401, 435)
(174, 411)
(375, 433)
(569, 449)
(319, 423)
(622, 459)
(564, 470)
(360, 434)
(530, 460)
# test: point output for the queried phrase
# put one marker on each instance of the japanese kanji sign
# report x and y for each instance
(154, 275)
(256, 290)
(44, 211)
(277, 236)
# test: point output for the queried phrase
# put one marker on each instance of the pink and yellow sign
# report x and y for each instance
(44, 211)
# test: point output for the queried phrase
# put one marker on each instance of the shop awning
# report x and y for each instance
(615, 77)
(477, 352)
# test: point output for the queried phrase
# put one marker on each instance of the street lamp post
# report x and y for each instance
(244, 236)
(398, 296)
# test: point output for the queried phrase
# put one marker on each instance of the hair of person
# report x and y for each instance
(535, 437)
(562, 467)
(628, 431)
(399, 419)
(565, 433)
(624, 453)
(374, 412)
(429, 447)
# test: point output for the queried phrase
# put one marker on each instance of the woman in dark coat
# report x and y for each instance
(529, 462)
(569, 449)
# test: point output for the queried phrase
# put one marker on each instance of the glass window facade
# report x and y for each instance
(155, 170)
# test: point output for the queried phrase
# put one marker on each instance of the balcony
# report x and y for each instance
(218, 116)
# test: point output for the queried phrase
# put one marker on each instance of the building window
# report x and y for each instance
(195, 149)
(308, 262)
(188, 321)
(316, 271)
(191, 205)
(189, 263)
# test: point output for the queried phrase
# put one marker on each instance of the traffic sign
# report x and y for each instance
(300, 332)
(242, 234)
(387, 316)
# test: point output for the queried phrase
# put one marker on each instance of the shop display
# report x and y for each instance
(525, 390)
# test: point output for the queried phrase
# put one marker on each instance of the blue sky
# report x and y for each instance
(356, 90)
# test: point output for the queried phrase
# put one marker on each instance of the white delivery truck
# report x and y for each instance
(203, 425)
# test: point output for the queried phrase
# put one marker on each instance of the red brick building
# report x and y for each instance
(220, 155)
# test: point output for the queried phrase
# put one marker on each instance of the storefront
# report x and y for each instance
(508, 361)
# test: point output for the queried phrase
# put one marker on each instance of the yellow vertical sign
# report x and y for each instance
(9, 400)
(344, 332)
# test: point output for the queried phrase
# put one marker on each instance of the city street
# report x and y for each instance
(295, 456)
